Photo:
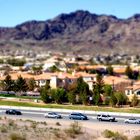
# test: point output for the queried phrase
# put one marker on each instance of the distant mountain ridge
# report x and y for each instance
(80, 32)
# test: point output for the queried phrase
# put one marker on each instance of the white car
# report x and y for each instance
(103, 117)
(132, 121)
(52, 115)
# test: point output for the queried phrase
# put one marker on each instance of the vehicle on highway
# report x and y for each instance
(132, 121)
(13, 112)
(103, 117)
(78, 116)
(52, 115)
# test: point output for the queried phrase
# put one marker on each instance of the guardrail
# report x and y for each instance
(69, 111)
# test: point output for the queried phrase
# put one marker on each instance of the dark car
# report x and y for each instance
(78, 116)
(13, 112)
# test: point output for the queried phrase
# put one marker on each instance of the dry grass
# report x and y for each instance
(22, 129)
(33, 130)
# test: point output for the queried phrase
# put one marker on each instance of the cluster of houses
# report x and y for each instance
(63, 79)
(70, 69)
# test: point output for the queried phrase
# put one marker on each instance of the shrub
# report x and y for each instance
(11, 123)
(114, 135)
(75, 129)
(57, 133)
(45, 123)
(120, 137)
(136, 138)
(58, 124)
(15, 136)
(108, 134)
(33, 125)
(134, 101)
(3, 129)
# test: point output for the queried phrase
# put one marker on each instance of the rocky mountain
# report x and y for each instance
(79, 31)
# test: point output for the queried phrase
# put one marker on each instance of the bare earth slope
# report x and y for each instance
(80, 32)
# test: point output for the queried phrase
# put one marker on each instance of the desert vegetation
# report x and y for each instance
(33, 130)
(25, 129)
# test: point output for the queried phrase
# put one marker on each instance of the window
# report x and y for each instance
(128, 92)
(138, 93)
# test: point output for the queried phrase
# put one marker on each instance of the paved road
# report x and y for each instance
(39, 115)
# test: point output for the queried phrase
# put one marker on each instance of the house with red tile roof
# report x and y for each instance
(132, 90)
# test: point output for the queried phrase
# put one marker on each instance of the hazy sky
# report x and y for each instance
(13, 12)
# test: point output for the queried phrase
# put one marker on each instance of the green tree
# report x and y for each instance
(83, 90)
(54, 69)
(16, 62)
(134, 101)
(72, 93)
(98, 89)
(129, 72)
(72, 97)
(121, 98)
(45, 93)
(8, 83)
(1, 61)
(84, 97)
(113, 100)
(107, 90)
(96, 96)
(31, 84)
(21, 85)
(37, 69)
(110, 70)
(58, 95)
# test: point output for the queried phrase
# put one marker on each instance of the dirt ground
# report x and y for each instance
(55, 129)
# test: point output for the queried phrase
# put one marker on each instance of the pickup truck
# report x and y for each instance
(105, 118)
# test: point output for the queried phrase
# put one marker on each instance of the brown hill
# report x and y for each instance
(80, 32)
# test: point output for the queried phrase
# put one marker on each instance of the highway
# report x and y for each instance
(39, 115)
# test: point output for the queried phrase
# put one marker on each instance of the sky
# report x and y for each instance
(13, 12)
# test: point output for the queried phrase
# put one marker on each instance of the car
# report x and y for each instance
(103, 117)
(52, 115)
(78, 116)
(132, 121)
(13, 112)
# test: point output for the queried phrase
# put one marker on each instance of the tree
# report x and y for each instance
(72, 87)
(84, 98)
(54, 69)
(37, 69)
(58, 95)
(21, 85)
(72, 97)
(121, 98)
(83, 90)
(110, 70)
(129, 72)
(134, 101)
(107, 90)
(45, 93)
(1, 61)
(113, 100)
(16, 62)
(72, 93)
(96, 96)
(98, 89)
(31, 84)
(8, 83)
